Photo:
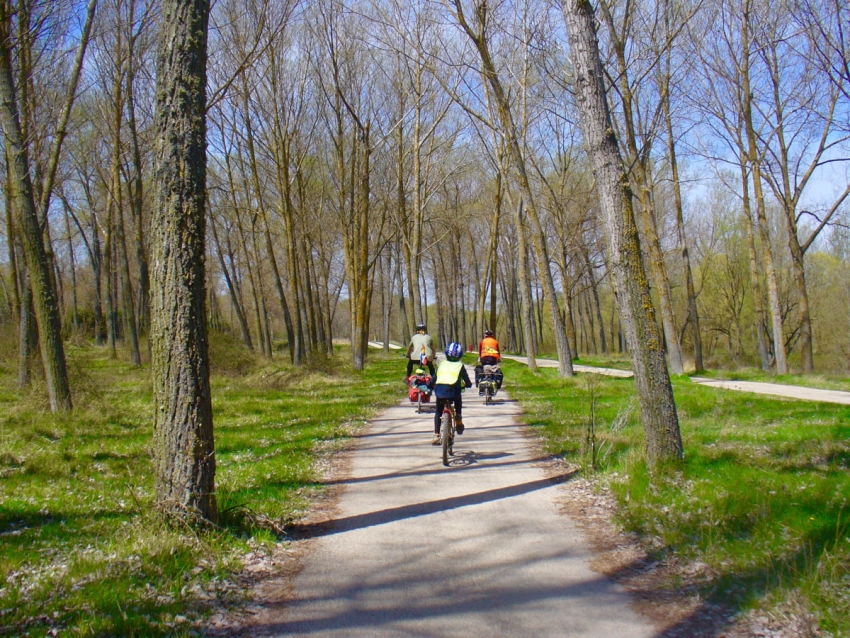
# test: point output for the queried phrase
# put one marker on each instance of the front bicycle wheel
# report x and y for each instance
(448, 432)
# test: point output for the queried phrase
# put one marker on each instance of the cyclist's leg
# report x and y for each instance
(431, 367)
(438, 413)
(410, 363)
(438, 417)
(458, 417)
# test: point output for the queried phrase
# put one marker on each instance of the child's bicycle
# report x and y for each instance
(447, 432)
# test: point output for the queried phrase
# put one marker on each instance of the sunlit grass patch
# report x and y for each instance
(82, 549)
(763, 499)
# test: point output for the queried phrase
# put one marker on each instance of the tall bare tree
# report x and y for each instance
(32, 208)
(184, 450)
(655, 393)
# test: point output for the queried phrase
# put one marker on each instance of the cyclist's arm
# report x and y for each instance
(464, 376)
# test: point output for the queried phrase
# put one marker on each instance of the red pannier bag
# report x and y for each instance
(418, 385)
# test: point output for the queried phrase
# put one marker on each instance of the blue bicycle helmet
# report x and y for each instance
(454, 351)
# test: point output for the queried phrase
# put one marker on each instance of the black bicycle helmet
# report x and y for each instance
(421, 326)
(488, 333)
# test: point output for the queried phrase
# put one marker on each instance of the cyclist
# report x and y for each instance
(420, 351)
(488, 354)
(488, 350)
(451, 376)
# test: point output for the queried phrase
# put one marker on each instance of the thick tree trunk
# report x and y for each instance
(184, 451)
(655, 393)
(44, 293)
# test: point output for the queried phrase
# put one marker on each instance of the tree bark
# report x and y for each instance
(184, 451)
(655, 393)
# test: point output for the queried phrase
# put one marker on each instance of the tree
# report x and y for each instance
(32, 207)
(655, 393)
(508, 129)
(184, 451)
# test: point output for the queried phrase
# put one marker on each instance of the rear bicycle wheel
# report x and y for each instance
(418, 403)
(447, 429)
(488, 395)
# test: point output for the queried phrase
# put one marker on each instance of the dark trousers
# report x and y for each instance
(413, 362)
(438, 411)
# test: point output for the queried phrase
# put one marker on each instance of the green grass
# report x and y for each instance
(82, 550)
(763, 498)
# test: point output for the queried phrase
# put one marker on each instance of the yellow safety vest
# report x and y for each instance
(449, 372)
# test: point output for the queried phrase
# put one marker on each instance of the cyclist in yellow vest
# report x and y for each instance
(451, 376)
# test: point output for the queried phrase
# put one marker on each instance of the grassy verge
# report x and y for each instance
(82, 551)
(762, 502)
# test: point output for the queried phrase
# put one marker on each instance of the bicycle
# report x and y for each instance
(447, 430)
(418, 388)
(489, 384)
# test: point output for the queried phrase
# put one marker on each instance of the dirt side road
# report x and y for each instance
(477, 549)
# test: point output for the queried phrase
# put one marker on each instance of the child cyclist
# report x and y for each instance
(451, 376)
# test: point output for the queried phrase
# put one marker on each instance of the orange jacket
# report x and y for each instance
(489, 347)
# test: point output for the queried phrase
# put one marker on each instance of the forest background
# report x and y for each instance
(359, 177)
(373, 165)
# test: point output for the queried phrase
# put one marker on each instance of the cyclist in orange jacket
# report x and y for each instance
(488, 355)
(488, 350)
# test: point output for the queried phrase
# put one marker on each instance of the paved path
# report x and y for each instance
(476, 549)
(549, 363)
(757, 387)
(778, 389)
